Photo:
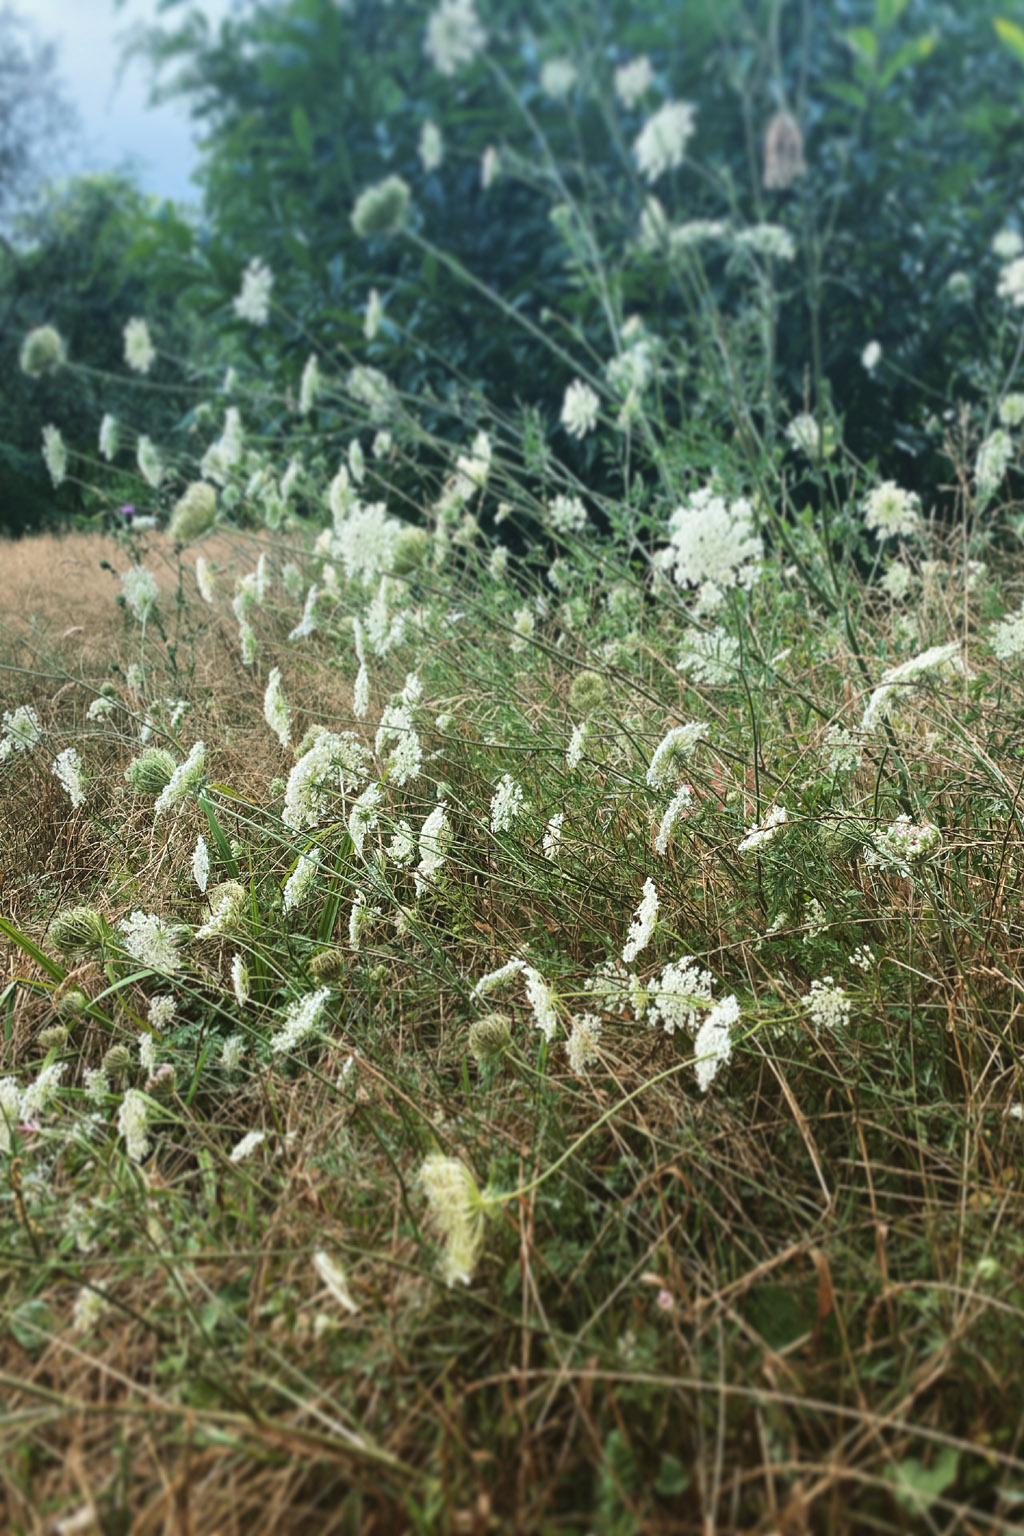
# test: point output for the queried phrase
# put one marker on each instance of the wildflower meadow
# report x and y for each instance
(511, 965)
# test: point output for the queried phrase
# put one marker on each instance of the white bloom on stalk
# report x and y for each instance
(937, 662)
(435, 840)
(994, 457)
(490, 164)
(335, 1279)
(108, 437)
(301, 1019)
(579, 409)
(633, 81)
(713, 542)
(301, 880)
(577, 741)
(506, 804)
(55, 455)
(1007, 245)
(552, 844)
(892, 512)
(334, 766)
(252, 303)
(201, 864)
(309, 387)
(827, 1004)
(67, 768)
(10, 1111)
(495, 979)
(712, 1047)
(680, 996)
(871, 356)
(1007, 637)
(673, 751)
(431, 147)
(679, 807)
(205, 579)
(542, 1002)
(153, 942)
(567, 514)
(140, 591)
(661, 143)
(454, 36)
(139, 351)
(131, 1124)
(1011, 283)
(186, 780)
(149, 461)
(457, 1210)
(583, 1041)
(557, 78)
(643, 925)
(372, 319)
(240, 980)
(247, 1146)
(805, 435)
(763, 831)
(276, 711)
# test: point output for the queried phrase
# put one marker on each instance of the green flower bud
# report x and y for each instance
(78, 931)
(588, 692)
(381, 209)
(42, 352)
(53, 1037)
(490, 1038)
(194, 513)
(117, 1060)
(327, 964)
(74, 1002)
(150, 773)
(410, 550)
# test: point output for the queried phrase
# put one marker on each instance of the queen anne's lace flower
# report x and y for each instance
(139, 351)
(454, 36)
(541, 1001)
(1011, 283)
(506, 804)
(301, 880)
(679, 996)
(827, 1004)
(149, 461)
(109, 437)
(68, 769)
(644, 923)
(140, 591)
(131, 1123)
(187, 779)
(153, 942)
(201, 863)
(938, 662)
(583, 1041)
(301, 1019)
(713, 542)
(457, 1210)
(55, 455)
(252, 303)
(763, 831)
(679, 808)
(579, 409)
(431, 147)
(334, 765)
(673, 751)
(633, 81)
(247, 1146)
(275, 708)
(1007, 637)
(892, 512)
(661, 144)
(904, 843)
(335, 1279)
(557, 78)
(435, 840)
(712, 1046)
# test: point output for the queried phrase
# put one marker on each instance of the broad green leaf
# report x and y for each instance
(917, 1486)
(223, 846)
(302, 130)
(1011, 36)
(864, 44)
(887, 12)
(912, 52)
(53, 970)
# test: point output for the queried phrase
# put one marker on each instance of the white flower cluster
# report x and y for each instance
(252, 303)
(301, 880)
(679, 807)
(892, 512)
(187, 779)
(334, 765)
(131, 1123)
(827, 1004)
(140, 591)
(150, 464)
(457, 1209)
(633, 81)
(506, 804)
(579, 409)
(552, 841)
(661, 143)
(435, 840)
(903, 843)
(364, 816)
(431, 147)
(643, 925)
(713, 543)
(1007, 637)
(139, 351)
(583, 1041)
(275, 708)
(673, 751)
(55, 455)
(225, 453)
(201, 864)
(301, 1018)
(454, 36)
(763, 831)
(67, 767)
(938, 662)
(567, 514)
(365, 540)
(153, 942)
(712, 1047)
(994, 457)
(21, 730)
(542, 1002)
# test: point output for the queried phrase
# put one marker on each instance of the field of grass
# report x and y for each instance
(447, 1101)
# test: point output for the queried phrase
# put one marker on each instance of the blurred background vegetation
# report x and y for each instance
(910, 113)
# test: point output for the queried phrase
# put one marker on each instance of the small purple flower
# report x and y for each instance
(128, 512)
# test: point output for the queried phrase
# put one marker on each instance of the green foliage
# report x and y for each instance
(93, 255)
